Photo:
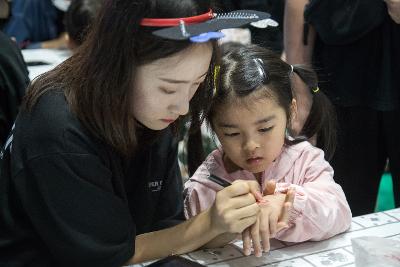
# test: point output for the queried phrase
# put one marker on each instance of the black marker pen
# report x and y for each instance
(219, 181)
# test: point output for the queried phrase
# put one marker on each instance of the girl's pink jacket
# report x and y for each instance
(320, 209)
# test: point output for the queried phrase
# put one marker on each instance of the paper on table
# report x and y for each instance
(52, 57)
(372, 251)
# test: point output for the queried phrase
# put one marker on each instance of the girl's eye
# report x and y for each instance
(264, 130)
(167, 91)
(231, 134)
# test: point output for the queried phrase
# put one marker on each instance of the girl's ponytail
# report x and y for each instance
(321, 120)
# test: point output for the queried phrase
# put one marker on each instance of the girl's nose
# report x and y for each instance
(251, 145)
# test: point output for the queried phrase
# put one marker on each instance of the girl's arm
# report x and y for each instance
(320, 209)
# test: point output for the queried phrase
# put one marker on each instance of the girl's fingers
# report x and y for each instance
(284, 216)
(265, 234)
(290, 195)
(246, 242)
(270, 187)
(255, 237)
(272, 226)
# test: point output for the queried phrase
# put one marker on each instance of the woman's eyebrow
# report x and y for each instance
(181, 81)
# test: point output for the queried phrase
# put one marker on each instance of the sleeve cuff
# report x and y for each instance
(299, 202)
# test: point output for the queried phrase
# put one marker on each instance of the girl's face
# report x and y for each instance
(251, 135)
(164, 87)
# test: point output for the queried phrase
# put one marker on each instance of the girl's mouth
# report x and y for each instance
(254, 160)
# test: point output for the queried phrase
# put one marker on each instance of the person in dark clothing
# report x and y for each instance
(13, 82)
(36, 24)
(359, 69)
(89, 176)
(272, 37)
(78, 18)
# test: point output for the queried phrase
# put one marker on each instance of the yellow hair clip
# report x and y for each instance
(315, 90)
(216, 76)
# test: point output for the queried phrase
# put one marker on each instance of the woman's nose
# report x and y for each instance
(181, 106)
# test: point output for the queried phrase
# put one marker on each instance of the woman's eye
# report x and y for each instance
(231, 134)
(264, 130)
(167, 91)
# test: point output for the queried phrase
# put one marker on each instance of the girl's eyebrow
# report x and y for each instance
(264, 120)
(181, 81)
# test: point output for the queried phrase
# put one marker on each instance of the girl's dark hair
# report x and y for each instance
(98, 79)
(79, 16)
(240, 75)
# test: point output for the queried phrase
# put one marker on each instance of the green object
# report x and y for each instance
(385, 200)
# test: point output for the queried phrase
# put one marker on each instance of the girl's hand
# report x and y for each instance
(235, 207)
(273, 218)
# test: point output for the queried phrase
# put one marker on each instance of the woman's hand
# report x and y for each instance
(273, 217)
(235, 207)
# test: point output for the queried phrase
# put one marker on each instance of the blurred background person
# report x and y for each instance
(13, 79)
(78, 18)
(38, 23)
(355, 46)
(271, 37)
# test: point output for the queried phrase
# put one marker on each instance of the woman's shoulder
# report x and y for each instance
(51, 127)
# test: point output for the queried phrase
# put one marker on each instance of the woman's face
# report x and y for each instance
(164, 87)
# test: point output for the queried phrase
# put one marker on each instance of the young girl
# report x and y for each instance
(89, 176)
(251, 114)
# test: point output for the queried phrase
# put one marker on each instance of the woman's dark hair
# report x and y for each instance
(78, 18)
(250, 69)
(98, 79)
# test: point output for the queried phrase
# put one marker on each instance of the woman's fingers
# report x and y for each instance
(242, 201)
(240, 187)
(247, 211)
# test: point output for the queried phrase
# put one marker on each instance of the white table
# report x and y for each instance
(52, 57)
(336, 251)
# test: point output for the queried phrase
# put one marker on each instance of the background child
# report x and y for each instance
(251, 114)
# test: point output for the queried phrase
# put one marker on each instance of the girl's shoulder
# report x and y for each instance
(302, 149)
(298, 156)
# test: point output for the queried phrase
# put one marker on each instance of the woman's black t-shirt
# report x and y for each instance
(67, 200)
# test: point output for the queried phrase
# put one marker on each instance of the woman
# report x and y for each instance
(89, 176)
